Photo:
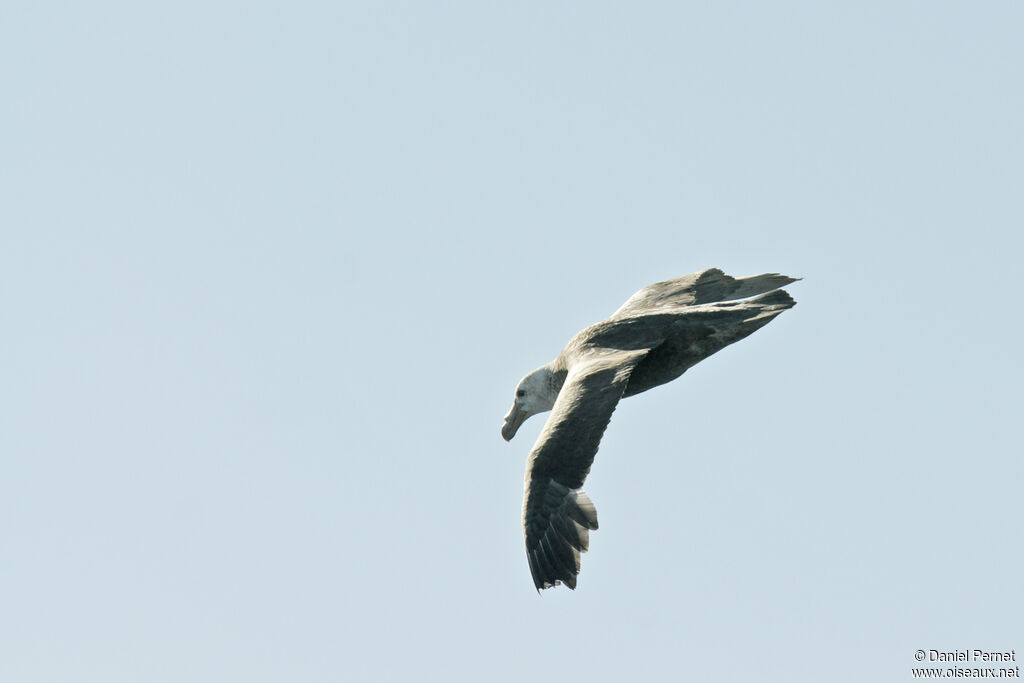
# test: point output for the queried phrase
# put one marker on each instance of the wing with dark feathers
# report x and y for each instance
(557, 514)
(705, 287)
(693, 333)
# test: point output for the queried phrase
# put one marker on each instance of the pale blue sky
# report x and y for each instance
(270, 274)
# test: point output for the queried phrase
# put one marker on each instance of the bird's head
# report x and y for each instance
(534, 394)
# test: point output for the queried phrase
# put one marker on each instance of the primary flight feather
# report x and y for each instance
(659, 333)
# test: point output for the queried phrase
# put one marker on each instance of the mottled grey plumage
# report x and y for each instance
(659, 333)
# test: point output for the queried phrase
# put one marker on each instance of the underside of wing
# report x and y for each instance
(557, 514)
(557, 526)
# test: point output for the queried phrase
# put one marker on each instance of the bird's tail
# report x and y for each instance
(735, 320)
(766, 306)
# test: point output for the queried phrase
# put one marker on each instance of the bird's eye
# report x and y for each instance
(520, 393)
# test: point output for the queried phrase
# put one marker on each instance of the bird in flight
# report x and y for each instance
(656, 336)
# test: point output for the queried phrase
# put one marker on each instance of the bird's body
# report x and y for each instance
(659, 333)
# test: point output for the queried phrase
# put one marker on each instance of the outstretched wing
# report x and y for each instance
(707, 286)
(557, 514)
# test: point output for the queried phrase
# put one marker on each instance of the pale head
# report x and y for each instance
(535, 394)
